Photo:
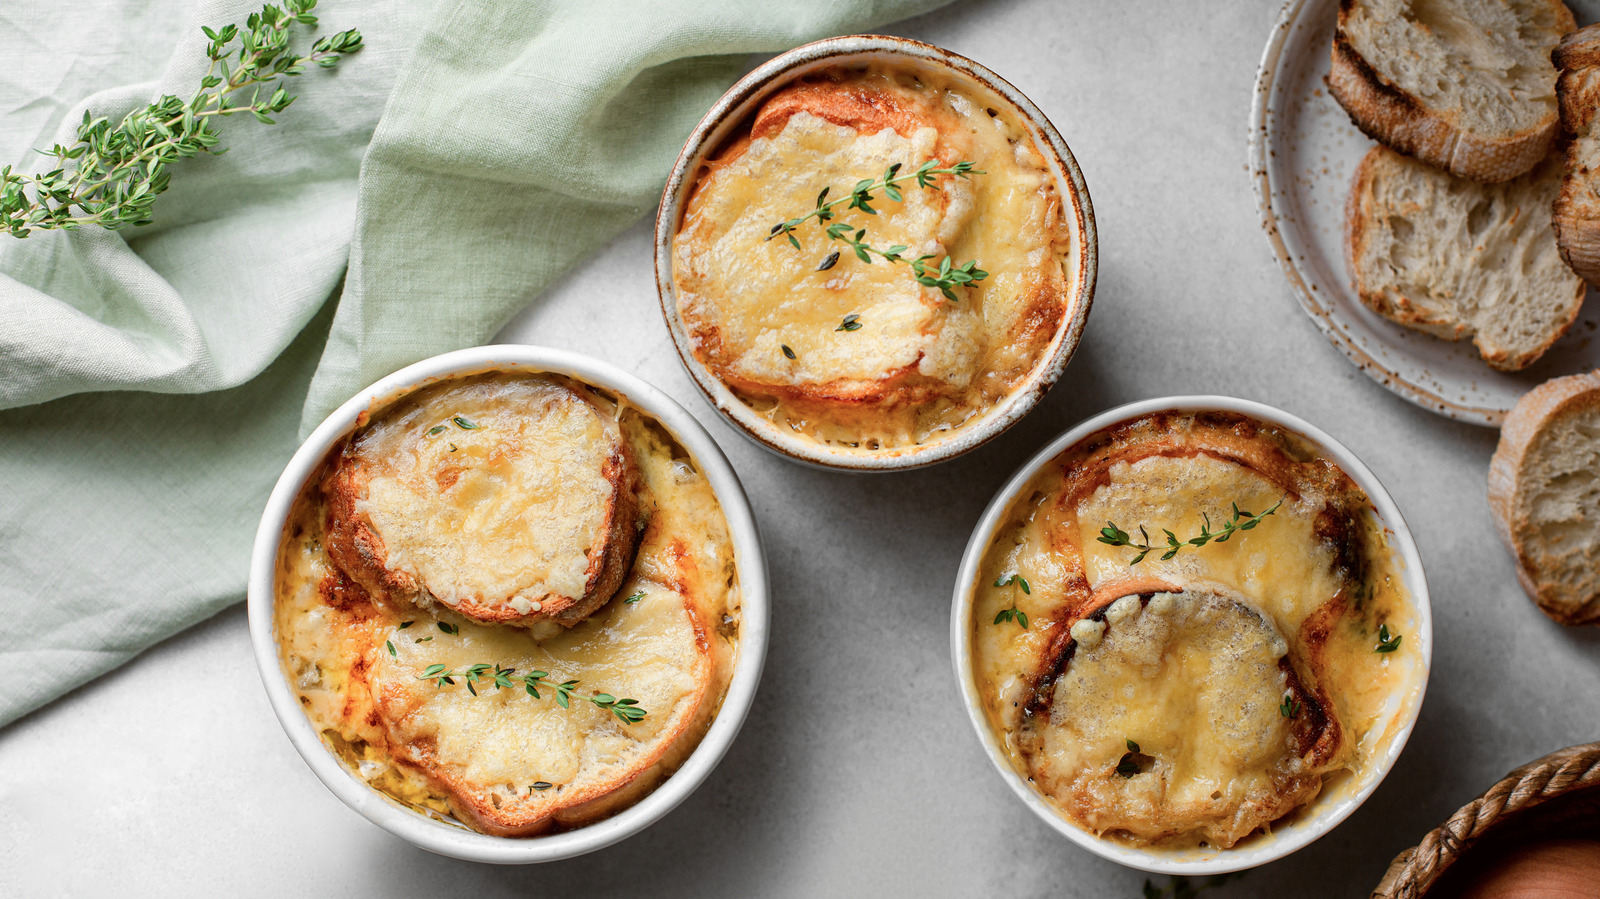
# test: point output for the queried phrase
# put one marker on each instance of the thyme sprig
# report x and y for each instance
(627, 710)
(1386, 643)
(1290, 707)
(1013, 613)
(945, 275)
(118, 171)
(1242, 521)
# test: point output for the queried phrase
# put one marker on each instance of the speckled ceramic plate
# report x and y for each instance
(1303, 153)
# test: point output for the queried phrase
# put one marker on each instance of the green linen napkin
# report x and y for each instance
(158, 379)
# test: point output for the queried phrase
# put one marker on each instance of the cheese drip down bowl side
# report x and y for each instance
(1399, 694)
(727, 120)
(445, 837)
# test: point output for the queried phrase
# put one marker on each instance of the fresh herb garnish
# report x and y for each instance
(463, 424)
(1128, 765)
(944, 276)
(423, 640)
(1242, 521)
(390, 644)
(118, 172)
(786, 351)
(1013, 613)
(852, 322)
(627, 710)
(634, 598)
(542, 785)
(406, 624)
(435, 430)
(1385, 642)
(449, 628)
(1289, 708)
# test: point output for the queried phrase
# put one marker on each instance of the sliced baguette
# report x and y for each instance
(1458, 259)
(1576, 216)
(1466, 85)
(1544, 491)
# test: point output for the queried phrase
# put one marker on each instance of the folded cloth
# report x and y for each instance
(157, 379)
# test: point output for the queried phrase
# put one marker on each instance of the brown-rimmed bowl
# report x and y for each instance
(723, 122)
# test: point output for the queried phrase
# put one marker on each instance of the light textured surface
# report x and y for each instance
(514, 140)
(857, 772)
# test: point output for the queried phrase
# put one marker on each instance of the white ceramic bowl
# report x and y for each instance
(1327, 811)
(457, 841)
(738, 105)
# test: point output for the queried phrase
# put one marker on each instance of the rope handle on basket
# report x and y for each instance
(1413, 871)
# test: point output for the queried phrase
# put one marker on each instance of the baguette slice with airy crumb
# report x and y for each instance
(1576, 215)
(1466, 85)
(1544, 490)
(1458, 259)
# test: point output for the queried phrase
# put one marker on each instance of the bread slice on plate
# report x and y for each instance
(1466, 85)
(1459, 259)
(1577, 210)
(1544, 491)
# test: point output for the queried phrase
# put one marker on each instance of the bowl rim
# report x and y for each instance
(451, 840)
(736, 105)
(1287, 839)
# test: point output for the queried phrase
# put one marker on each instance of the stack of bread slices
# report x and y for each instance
(1449, 221)
(1478, 216)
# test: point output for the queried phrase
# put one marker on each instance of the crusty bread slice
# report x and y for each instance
(508, 500)
(1466, 85)
(1544, 491)
(516, 765)
(1576, 215)
(1458, 259)
(1216, 752)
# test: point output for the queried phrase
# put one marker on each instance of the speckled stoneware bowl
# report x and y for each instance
(444, 837)
(1288, 835)
(738, 105)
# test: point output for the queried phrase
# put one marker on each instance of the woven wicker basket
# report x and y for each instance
(1558, 795)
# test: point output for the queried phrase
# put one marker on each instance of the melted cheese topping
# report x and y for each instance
(1193, 679)
(508, 511)
(1280, 568)
(919, 366)
(443, 750)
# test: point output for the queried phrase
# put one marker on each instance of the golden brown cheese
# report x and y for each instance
(1319, 570)
(505, 498)
(503, 761)
(919, 365)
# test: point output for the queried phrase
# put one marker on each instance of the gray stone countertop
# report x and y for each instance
(857, 773)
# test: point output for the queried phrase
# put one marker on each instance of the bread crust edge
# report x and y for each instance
(1399, 120)
(1522, 426)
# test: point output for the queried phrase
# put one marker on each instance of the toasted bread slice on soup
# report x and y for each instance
(1458, 259)
(1544, 491)
(516, 766)
(1577, 208)
(1216, 753)
(762, 315)
(1466, 85)
(1240, 726)
(509, 500)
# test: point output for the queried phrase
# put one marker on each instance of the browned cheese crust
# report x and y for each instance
(356, 545)
(867, 110)
(1314, 734)
(1240, 440)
